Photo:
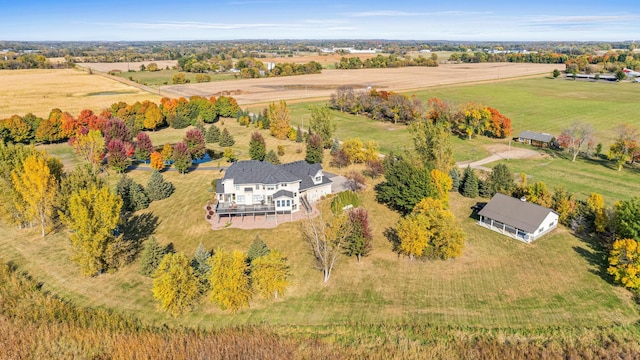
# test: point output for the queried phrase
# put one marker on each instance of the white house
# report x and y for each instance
(257, 187)
(517, 218)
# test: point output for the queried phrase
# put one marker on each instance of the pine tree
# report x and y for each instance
(470, 183)
(229, 280)
(138, 197)
(201, 267)
(257, 147)
(175, 284)
(123, 189)
(269, 275)
(212, 135)
(257, 249)
(158, 188)
(315, 149)
(455, 179)
(299, 135)
(272, 157)
(501, 180)
(151, 256)
(226, 139)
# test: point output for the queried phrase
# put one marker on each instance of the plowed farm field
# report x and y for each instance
(304, 87)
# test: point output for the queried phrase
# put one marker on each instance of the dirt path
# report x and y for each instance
(500, 152)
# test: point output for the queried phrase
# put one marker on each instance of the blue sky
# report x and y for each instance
(498, 20)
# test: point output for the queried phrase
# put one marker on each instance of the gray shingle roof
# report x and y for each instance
(515, 212)
(536, 136)
(283, 193)
(262, 172)
(258, 172)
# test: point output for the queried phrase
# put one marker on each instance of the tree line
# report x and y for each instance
(390, 61)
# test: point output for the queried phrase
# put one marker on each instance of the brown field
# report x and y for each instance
(39, 91)
(302, 87)
(124, 66)
(324, 59)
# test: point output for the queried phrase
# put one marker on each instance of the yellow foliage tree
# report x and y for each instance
(279, 119)
(229, 280)
(152, 117)
(93, 216)
(595, 203)
(269, 274)
(37, 187)
(167, 152)
(175, 284)
(443, 184)
(90, 147)
(157, 161)
(624, 263)
(430, 230)
(371, 151)
(353, 149)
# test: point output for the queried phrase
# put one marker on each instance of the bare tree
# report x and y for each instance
(325, 238)
(577, 138)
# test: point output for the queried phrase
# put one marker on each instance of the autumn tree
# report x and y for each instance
(117, 129)
(50, 129)
(279, 119)
(625, 147)
(432, 142)
(37, 187)
(153, 117)
(12, 205)
(499, 124)
(624, 263)
(430, 231)
(167, 152)
(181, 158)
(90, 146)
(175, 285)
(315, 149)
(325, 235)
(194, 139)
(359, 241)
(563, 203)
(93, 216)
(156, 161)
(257, 147)
(270, 275)
(144, 147)
(117, 155)
(323, 124)
(229, 280)
(82, 177)
(443, 185)
(595, 205)
(576, 138)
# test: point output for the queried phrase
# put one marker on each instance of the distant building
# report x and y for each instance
(536, 138)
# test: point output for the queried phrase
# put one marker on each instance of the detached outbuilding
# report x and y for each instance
(536, 138)
(517, 218)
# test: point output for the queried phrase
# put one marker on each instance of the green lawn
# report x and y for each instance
(164, 77)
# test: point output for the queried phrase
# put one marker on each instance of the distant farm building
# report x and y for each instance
(517, 218)
(591, 77)
(536, 138)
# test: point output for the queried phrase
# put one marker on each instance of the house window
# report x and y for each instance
(271, 187)
(237, 187)
(295, 194)
(277, 203)
(257, 187)
(240, 198)
(288, 203)
(318, 179)
(257, 198)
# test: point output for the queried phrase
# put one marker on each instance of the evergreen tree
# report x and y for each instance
(323, 124)
(335, 147)
(299, 135)
(257, 249)
(455, 179)
(257, 147)
(470, 183)
(158, 188)
(272, 157)
(212, 135)
(123, 189)
(501, 180)
(82, 177)
(226, 139)
(405, 184)
(201, 267)
(138, 197)
(151, 256)
(315, 149)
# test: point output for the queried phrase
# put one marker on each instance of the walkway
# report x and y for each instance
(501, 152)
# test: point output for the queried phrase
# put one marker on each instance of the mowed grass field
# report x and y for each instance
(40, 91)
(164, 77)
(498, 282)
